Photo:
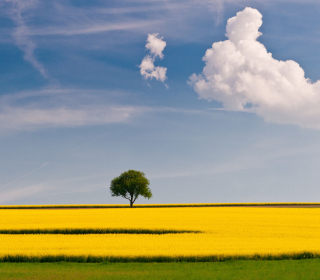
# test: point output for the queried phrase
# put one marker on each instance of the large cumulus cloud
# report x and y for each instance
(243, 76)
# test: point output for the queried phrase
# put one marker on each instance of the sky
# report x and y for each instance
(216, 101)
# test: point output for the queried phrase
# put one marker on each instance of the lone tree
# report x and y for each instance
(130, 185)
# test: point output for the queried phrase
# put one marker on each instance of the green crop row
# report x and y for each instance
(93, 231)
(145, 259)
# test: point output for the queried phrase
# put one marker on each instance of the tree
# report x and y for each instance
(130, 185)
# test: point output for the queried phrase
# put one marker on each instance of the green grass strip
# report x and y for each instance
(235, 270)
(80, 206)
(93, 231)
(159, 259)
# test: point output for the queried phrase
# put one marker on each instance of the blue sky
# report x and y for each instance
(75, 111)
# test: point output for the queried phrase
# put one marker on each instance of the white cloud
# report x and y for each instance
(155, 45)
(16, 11)
(243, 76)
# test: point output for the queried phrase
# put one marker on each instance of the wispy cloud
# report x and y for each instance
(256, 157)
(156, 6)
(237, 164)
(63, 19)
(24, 118)
(70, 107)
(62, 107)
(91, 29)
(24, 175)
(17, 11)
(21, 193)
(214, 6)
(15, 118)
(88, 143)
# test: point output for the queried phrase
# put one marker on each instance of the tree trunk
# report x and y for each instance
(131, 200)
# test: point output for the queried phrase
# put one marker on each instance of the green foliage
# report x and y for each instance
(130, 185)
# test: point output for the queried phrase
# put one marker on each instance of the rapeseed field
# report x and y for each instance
(153, 233)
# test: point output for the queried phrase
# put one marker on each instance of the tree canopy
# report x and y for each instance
(130, 185)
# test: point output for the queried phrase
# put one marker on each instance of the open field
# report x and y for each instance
(236, 270)
(152, 234)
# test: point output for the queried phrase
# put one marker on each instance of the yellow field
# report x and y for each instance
(56, 206)
(227, 231)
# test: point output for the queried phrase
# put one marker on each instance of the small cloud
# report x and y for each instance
(243, 76)
(155, 45)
